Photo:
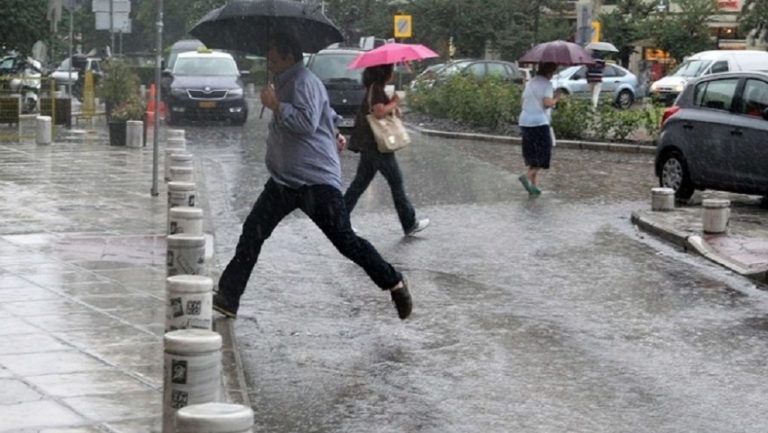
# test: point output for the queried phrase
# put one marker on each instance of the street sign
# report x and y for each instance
(117, 6)
(403, 26)
(596, 31)
(121, 22)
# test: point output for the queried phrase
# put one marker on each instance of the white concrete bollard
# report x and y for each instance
(176, 143)
(43, 135)
(185, 219)
(134, 134)
(181, 194)
(174, 133)
(191, 371)
(662, 199)
(189, 302)
(182, 174)
(176, 158)
(716, 215)
(186, 255)
(214, 418)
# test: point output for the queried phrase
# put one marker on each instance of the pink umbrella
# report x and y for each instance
(389, 54)
(560, 52)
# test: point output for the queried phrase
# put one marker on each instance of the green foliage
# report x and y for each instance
(572, 119)
(650, 119)
(489, 102)
(686, 32)
(22, 23)
(492, 103)
(625, 25)
(130, 109)
(120, 83)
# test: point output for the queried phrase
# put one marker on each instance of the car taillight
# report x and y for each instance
(669, 112)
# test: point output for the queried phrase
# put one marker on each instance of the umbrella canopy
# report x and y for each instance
(602, 46)
(559, 52)
(388, 54)
(247, 26)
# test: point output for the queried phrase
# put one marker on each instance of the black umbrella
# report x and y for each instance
(247, 25)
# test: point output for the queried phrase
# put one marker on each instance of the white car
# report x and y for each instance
(618, 84)
(62, 77)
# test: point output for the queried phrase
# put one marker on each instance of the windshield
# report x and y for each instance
(208, 66)
(333, 68)
(691, 68)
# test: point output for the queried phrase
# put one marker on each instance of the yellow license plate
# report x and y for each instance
(207, 104)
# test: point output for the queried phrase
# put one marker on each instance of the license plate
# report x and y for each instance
(207, 104)
(346, 123)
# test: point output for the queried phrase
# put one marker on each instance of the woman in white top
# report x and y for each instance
(535, 119)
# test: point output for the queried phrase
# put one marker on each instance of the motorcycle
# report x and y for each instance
(21, 75)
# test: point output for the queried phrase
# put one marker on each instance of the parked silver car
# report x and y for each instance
(715, 136)
(618, 84)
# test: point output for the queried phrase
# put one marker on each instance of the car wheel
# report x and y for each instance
(674, 174)
(625, 99)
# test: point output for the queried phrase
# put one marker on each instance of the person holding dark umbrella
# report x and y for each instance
(534, 121)
(305, 173)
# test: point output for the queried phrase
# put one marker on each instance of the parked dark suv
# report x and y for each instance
(716, 136)
(205, 85)
(345, 86)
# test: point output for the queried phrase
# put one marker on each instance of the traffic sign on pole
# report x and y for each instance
(403, 26)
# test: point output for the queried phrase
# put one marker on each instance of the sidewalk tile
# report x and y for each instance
(87, 383)
(16, 391)
(28, 415)
(50, 363)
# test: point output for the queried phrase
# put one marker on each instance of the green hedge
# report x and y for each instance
(492, 103)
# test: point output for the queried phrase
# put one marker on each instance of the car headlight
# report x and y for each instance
(236, 92)
(178, 92)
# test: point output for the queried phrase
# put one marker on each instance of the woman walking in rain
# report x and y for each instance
(535, 120)
(371, 160)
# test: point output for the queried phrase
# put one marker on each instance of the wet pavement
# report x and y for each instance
(82, 284)
(539, 315)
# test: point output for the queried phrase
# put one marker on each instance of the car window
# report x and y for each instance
(207, 66)
(476, 69)
(755, 98)
(617, 71)
(717, 94)
(609, 71)
(333, 68)
(498, 69)
(718, 67)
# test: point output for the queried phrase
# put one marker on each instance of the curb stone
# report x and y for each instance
(566, 144)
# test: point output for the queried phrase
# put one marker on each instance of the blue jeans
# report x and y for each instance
(324, 205)
(370, 163)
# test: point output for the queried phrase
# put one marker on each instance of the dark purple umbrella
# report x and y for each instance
(248, 25)
(559, 52)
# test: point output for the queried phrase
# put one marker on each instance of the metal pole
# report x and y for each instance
(158, 76)
(111, 27)
(71, 42)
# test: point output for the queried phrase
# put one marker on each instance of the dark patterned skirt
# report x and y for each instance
(537, 146)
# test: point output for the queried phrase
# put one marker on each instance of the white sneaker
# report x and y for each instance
(419, 226)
